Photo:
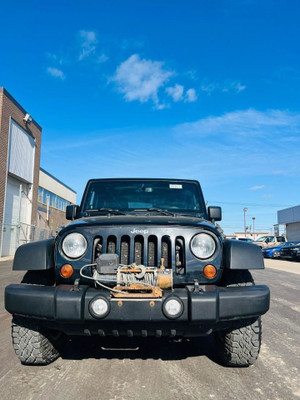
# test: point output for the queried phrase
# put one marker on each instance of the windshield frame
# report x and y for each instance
(202, 212)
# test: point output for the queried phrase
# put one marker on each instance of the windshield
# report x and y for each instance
(148, 195)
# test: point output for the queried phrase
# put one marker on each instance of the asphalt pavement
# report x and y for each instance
(155, 369)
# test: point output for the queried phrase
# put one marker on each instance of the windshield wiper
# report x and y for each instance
(157, 210)
(113, 211)
(191, 214)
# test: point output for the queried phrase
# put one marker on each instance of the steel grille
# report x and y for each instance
(146, 250)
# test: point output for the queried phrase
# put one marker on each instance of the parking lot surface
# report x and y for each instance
(156, 369)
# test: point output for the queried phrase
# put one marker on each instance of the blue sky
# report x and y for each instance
(206, 90)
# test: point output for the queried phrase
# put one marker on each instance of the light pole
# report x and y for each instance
(253, 219)
(245, 229)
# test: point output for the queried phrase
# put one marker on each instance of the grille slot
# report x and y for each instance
(166, 251)
(125, 250)
(152, 251)
(180, 255)
(138, 249)
(111, 244)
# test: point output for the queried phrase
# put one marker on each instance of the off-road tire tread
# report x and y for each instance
(239, 346)
(30, 342)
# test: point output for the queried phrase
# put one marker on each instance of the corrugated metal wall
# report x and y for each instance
(21, 153)
(293, 232)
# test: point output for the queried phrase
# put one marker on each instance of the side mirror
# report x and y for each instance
(215, 213)
(71, 212)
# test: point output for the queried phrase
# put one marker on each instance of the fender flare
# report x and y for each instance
(35, 256)
(242, 255)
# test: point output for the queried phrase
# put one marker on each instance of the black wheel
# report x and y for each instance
(239, 345)
(34, 345)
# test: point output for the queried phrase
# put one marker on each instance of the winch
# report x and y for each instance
(130, 280)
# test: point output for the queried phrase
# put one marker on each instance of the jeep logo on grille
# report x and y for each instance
(139, 231)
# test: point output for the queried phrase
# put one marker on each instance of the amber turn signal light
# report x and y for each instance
(210, 271)
(66, 271)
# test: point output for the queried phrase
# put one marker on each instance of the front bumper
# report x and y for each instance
(290, 256)
(68, 309)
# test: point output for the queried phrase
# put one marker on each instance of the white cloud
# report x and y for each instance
(192, 74)
(56, 73)
(226, 86)
(190, 96)
(88, 41)
(209, 87)
(257, 187)
(176, 92)
(248, 123)
(242, 143)
(233, 86)
(140, 79)
(102, 59)
(55, 58)
(239, 87)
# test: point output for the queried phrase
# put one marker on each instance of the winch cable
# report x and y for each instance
(127, 281)
(98, 282)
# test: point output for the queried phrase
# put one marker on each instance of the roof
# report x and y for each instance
(57, 180)
(14, 101)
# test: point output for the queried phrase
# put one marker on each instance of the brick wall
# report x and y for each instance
(56, 217)
(9, 108)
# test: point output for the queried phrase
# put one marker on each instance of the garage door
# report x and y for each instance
(17, 210)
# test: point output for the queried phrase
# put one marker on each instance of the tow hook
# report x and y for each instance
(76, 285)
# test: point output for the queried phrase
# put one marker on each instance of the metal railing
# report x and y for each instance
(13, 236)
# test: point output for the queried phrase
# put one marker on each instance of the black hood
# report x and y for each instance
(140, 220)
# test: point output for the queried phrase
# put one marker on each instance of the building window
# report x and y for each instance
(51, 199)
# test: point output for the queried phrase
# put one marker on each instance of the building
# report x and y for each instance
(53, 198)
(20, 149)
(290, 217)
(20, 212)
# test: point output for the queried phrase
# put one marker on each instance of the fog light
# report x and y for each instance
(99, 307)
(173, 307)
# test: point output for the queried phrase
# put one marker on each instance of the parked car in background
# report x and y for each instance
(291, 252)
(269, 241)
(274, 252)
(245, 239)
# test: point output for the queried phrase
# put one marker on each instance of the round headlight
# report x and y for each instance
(74, 245)
(203, 245)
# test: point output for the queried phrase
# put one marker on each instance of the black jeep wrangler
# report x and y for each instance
(142, 257)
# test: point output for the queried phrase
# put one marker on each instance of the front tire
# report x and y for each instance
(34, 345)
(239, 345)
